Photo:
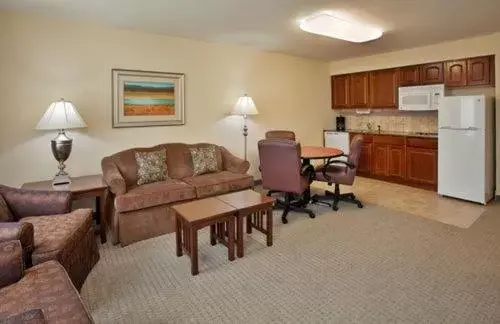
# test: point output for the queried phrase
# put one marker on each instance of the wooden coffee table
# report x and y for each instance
(195, 215)
(254, 206)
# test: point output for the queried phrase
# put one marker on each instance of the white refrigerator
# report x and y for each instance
(466, 148)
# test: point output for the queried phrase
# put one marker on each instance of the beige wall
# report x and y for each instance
(476, 46)
(43, 60)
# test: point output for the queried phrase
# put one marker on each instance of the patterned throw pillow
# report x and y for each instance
(151, 166)
(5, 214)
(204, 159)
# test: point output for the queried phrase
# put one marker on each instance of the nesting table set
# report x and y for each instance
(223, 214)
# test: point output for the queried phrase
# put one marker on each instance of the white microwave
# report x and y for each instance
(420, 98)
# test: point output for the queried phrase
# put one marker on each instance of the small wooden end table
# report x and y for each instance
(91, 186)
(254, 206)
(195, 215)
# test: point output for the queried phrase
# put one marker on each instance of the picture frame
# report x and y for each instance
(147, 98)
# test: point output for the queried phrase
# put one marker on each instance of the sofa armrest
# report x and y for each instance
(18, 231)
(113, 177)
(233, 163)
(31, 316)
(26, 202)
(11, 262)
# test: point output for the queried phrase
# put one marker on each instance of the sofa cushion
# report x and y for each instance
(57, 235)
(180, 163)
(219, 183)
(204, 160)
(47, 287)
(151, 166)
(154, 194)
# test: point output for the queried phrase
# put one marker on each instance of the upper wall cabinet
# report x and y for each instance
(359, 88)
(384, 88)
(479, 71)
(340, 91)
(455, 73)
(379, 88)
(409, 75)
(432, 73)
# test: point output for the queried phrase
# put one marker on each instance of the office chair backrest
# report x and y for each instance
(354, 154)
(280, 165)
(280, 134)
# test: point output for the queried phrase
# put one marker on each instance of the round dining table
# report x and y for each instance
(309, 153)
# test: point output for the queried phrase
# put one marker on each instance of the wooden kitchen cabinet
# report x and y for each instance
(380, 159)
(396, 162)
(455, 73)
(365, 159)
(340, 91)
(409, 76)
(479, 71)
(421, 161)
(359, 90)
(384, 88)
(432, 73)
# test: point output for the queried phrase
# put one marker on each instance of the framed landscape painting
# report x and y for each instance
(143, 98)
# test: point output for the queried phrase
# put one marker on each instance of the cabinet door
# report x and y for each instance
(384, 88)
(432, 73)
(396, 161)
(365, 159)
(479, 71)
(380, 159)
(409, 76)
(421, 165)
(340, 91)
(455, 73)
(359, 89)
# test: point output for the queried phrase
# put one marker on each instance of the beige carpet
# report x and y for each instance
(371, 265)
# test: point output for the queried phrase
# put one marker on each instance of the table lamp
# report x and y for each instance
(244, 107)
(61, 115)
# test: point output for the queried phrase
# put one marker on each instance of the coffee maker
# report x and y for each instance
(340, 123)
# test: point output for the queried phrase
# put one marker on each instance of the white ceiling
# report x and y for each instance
(272, 24)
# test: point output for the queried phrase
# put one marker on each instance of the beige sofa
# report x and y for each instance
(141, 212)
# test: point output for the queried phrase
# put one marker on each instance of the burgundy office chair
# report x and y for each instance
(340, 172)
(283, 173)
(280, 134)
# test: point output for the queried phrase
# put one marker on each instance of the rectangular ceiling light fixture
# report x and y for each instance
(327, 24)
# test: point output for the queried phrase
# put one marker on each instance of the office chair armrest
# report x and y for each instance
(308, 171)
(331, 162)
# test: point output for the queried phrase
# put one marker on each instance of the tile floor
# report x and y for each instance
(423, 203)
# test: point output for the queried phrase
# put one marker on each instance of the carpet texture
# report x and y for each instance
(370, 265)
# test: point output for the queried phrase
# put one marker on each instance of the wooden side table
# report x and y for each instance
(92, 186)
(195, 215)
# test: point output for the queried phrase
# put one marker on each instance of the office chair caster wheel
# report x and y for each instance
(360, 205)
(284, 220)
(335, 208)
(311, 215)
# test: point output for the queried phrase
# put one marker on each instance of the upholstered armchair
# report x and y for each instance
(47, 229)
(41, 294)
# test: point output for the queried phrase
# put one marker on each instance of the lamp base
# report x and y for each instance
(61, 179)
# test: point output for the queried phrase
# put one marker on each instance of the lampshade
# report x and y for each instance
(61, 114)
(245, 106)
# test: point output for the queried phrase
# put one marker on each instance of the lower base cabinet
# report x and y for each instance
(400, 159)
(421, 165)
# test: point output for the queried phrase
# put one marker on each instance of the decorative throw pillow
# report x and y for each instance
(151, 166)
(5, 214)
(204, 159)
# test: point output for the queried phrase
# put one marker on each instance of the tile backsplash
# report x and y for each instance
(398, 123)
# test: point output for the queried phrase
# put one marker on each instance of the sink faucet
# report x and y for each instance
(378, 126)
(369, 125)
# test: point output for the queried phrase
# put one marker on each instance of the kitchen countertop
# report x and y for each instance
(382, 132)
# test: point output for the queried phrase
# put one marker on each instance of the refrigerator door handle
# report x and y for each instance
(458, 128)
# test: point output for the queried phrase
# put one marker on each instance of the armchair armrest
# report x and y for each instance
(25, 202)
(11, 262)
(324, 170)
(308, 172)
(113, 177)
(233, 163)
